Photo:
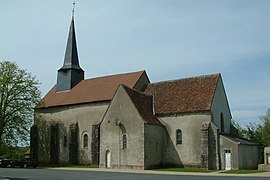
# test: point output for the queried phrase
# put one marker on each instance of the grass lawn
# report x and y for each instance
(186, 170)
(242, 171)
(199, 170)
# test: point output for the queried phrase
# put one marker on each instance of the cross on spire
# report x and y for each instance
(73, 9)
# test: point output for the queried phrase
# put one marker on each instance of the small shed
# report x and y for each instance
(238, 153)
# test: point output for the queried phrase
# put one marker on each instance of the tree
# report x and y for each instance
(19, 94)
(262, 130)
(259, 133)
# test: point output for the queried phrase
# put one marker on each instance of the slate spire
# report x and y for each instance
(71, 56)
(70, 73)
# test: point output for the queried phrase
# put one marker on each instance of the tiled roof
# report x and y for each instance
(184, 95)
(90, 90)
(144, 104)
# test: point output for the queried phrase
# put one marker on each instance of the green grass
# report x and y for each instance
(200, 170)
(242, 171)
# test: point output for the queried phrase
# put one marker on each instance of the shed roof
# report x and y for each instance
(240, 141)
(90, 90)
(184, 95)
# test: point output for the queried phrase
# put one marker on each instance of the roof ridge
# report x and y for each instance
(186, 78)
(106, 76)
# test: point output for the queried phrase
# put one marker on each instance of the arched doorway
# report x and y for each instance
(108, 159)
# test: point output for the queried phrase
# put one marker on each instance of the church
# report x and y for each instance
(125, 121)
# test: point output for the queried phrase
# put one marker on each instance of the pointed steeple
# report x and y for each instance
(70, 73)
(71, 56)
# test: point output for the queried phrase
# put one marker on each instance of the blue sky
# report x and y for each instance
(170, 39)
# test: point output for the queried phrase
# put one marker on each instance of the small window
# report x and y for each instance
(85, 141)
(178, 136)
(65, 141)
(222, 122)
(124, 141)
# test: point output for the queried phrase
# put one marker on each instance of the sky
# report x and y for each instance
(170, 39)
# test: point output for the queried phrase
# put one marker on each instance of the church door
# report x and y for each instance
(108, 159)
(228, 160)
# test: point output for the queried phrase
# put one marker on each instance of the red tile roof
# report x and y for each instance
(184, 95)
(144, 104)
(90, 90)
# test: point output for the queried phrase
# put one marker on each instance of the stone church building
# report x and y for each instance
(125, 121)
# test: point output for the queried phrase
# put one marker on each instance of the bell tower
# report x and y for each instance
(70, 73)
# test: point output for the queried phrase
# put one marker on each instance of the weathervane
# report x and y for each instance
(73, 8)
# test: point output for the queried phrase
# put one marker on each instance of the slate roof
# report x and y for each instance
(240, 140)
(71, 60)
(90, 90)
(144, 104)
(184, 95)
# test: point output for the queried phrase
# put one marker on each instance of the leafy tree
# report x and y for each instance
(241, 131)
(259, 133)
(19, 94)
(262, 130)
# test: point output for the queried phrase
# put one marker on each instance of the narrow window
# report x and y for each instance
(85, 141)
(178, 136)
(124, 141)
(65, 141)
(221, 122)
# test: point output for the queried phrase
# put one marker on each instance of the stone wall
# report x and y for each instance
(85, 115)
(204, 145)
(122, 118)
(220, 107)
(189, 152)
(266, 165)
(153, 146)
(227, 144)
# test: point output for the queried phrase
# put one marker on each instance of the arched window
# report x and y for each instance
(178, 136)
(124, 145)
(85, 141)
(221, 122)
